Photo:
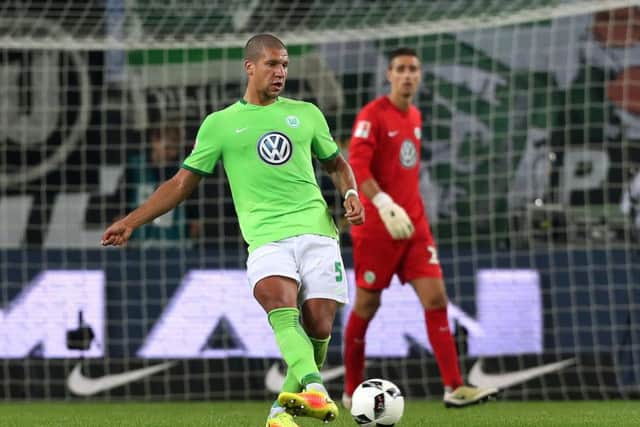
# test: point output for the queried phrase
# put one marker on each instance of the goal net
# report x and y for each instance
(530, 177)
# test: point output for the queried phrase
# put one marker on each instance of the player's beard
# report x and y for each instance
(269, 95)
(408, 95)
(272, 92)
(408, 90)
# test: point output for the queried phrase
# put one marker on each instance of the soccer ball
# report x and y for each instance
(377, 403)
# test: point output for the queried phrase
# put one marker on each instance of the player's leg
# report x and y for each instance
(272, 271)
(364, 309)
(433, 297)
(320, 347)
(278, 296)
(432, 294)
(323, 289)
(375, 261)
(421, 268)
(318, 315)
(281, 419)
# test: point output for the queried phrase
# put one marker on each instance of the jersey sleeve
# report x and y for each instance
(322, 146)
(206, 150)
(363, 144)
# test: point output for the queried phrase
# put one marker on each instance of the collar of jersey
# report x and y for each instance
(393, 106)
(248, 104)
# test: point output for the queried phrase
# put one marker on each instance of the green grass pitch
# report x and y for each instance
(252, 414)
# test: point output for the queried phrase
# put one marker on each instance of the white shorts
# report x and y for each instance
(311, 260)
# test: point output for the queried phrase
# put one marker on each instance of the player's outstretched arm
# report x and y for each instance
(342, 177)
(166, 197)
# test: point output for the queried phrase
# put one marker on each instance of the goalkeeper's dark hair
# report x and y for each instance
(256, 45)
(401, 51)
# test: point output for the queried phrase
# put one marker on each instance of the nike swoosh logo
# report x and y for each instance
(274, 379)
(78, 384)
(241, 130)
(392, 133)
(479, 378)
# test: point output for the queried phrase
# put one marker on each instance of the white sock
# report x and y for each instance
(316, 387)
(276, 409)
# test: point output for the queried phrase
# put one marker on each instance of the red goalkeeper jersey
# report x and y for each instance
(385, 146)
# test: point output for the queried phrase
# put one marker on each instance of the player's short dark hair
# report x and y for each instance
(401, 51)
(256, 44)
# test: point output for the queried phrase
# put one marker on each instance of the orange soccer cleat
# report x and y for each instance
(281, 420)
(310, 403)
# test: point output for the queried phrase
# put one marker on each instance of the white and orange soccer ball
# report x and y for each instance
(377, 403)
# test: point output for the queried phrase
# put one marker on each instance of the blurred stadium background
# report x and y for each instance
(530, 176)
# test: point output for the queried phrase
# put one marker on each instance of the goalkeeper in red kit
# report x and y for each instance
(396, 238)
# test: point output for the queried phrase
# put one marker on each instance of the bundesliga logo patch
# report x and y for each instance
(362, 130)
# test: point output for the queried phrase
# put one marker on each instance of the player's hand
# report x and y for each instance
(354, 212)
(393, 216)
(117, 234)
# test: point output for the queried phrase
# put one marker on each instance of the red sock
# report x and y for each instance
(443, 346)
(354, 335)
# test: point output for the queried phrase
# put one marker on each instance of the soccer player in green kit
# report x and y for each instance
(266, 143)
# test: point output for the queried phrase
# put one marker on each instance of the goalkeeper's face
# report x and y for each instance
(268, 73)
(404, 75)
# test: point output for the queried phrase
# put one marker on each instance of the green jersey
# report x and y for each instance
(266, 153)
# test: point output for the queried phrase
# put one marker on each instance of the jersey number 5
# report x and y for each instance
(338, 266)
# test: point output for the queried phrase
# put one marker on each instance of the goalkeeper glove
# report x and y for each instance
(393, 216)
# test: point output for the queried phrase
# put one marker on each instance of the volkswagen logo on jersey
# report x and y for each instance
(408, 155)
(274, 148)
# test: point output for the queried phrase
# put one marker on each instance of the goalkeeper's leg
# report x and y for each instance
(432, 294)
(364, 309)
(464, 396)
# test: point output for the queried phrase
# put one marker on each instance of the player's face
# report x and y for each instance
(404, 75)
(269, 73)
(164, 151)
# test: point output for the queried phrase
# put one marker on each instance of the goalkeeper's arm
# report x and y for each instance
(393, 215)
